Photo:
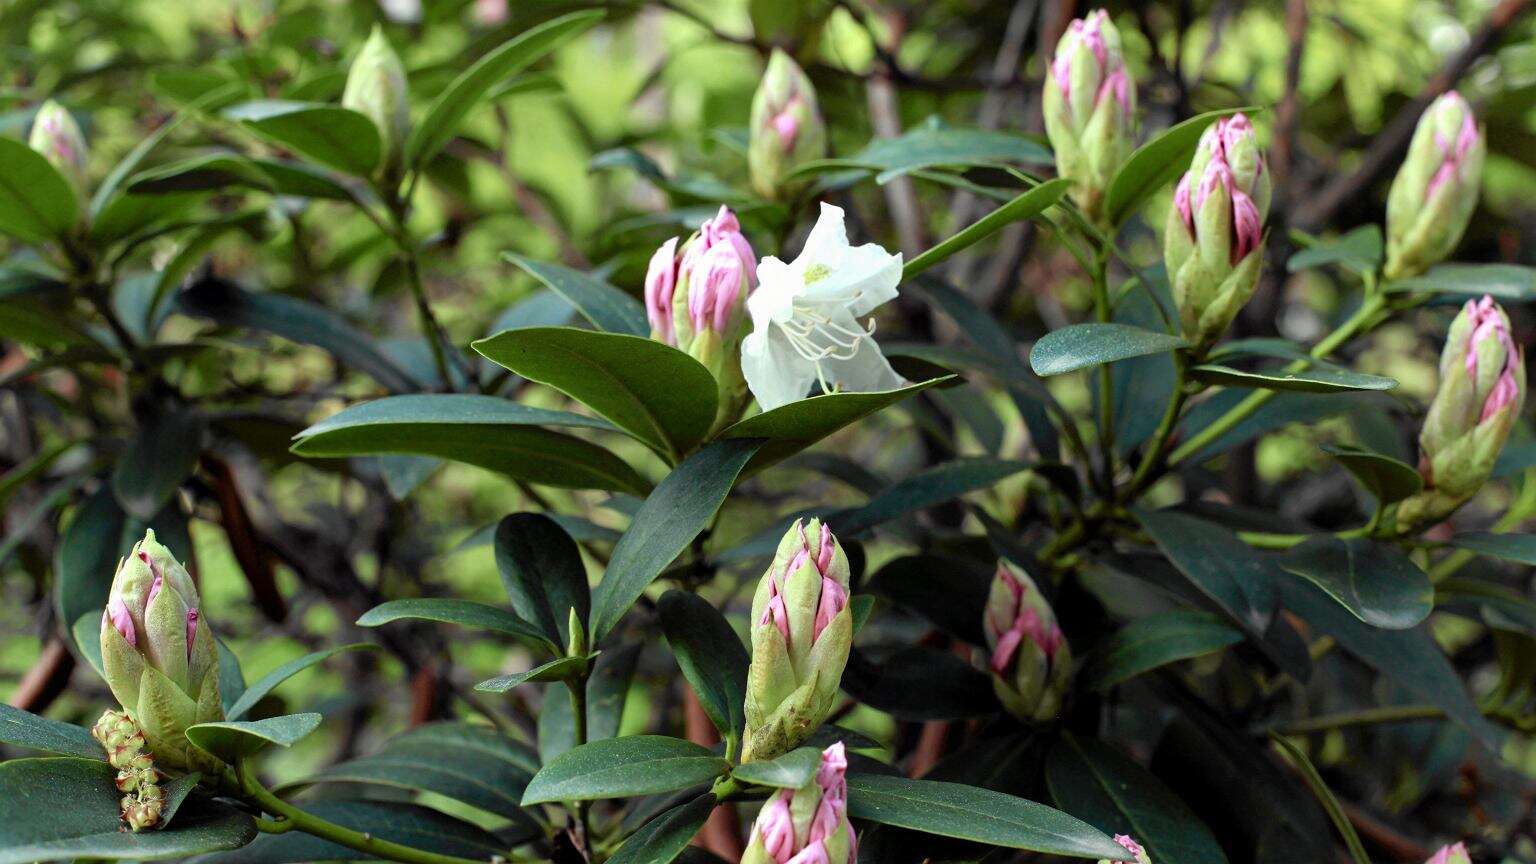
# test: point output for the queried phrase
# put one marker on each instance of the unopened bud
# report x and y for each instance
(377, 89)
(1132, 847)
(57, 136)
(786, 128)
(1482, 387)
(1456, 853)
(802, 629)
(1435, 191)
(1030, 661)
(808, 825)
(1090, 108)
(1214, 239)
(159, 655)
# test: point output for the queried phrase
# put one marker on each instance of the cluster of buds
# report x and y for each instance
(1435, 192)
(1214, 241)
(377, 89)
(808, 825)
(787, 129)
(1131, 846)
(1030, 661)
(696, 300)
(1090, 109)
(143, 800)
(802, 629)
(1456, 853)
(57, 136)
(160, 658)
(1482, 386)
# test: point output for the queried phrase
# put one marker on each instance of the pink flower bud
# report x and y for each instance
(1247, 225)
(777, 614)
(1488, 322)
(787, 126)
(834, 598)
(1453, 154)
(814, 853)
(191, 631)
(776, 826)
(1182, 202)
(660, 280)
(723, 229)
(117, 613)
(1456, 853)
(713, 289)
(155, 587)
(1130, 845)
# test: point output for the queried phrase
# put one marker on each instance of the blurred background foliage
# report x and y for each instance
(632, 134)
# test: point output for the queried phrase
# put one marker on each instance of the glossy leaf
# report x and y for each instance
(789, 771)
(1080, 346)
(159, 458)
(1388, 479)
(711, 656)
(605, 306)
(1377, 583)
(20, 728)
(451, 610)
(234, 739)
(623, 768)
(541, 569)
(71, 811)
(559, 669)
(971, 813)
(1026, 206)
(1520, 548)
(1360, 251)
(1157, 640)
(658, 394)
(270, 681)
(1319, 379)
(1508, 282)
(36, 202)
(408, 824)
(447, 112)
(331, 135)
(664, 838)
(491, 433)
(1101, 786)
(1157, 164)
(608, 690)
(681, 506)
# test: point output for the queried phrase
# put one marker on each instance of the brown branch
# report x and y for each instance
(250, 553)
(47, 678)
(721, 834)
(1388, 147)
(1391, 841)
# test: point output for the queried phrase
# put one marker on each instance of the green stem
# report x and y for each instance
(431, 329)
(1164, 435)
(1518, 512)
(578, 688)
(1101, 311)
(314, 825)
(1362, 320)
(1363, 717)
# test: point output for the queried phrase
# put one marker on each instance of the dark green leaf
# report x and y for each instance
(333, 136)
(664, 838)
(711, 656)
(176, 792)
(1377, 583)
(931, 145)
(407, 824)
(969, 813)
(541, 569)
(36, 202)
(233, 739)
(209, 172)
(159, 458)
(1157, 640)
(301, 180)
(950, 592)
(1026, 206)
(607, 691)
(1156, 164)
(559, 669)
(917, 683)
(1322, 379)
(605, 306)
(1360, 251)
(451, 610)
(789, 771)
(1325, 797)
(1109, 791)
(788, 429)
(471, 87)
(682, 505)
(20, 728)
(492, 433)
(663, 397)
(1390, 480)
(1520, 548)
(270, 681)
(63, 808)
(1508, 282)
(927, 488)
(623, 768)
(1080, 346)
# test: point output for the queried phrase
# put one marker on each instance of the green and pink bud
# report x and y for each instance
(159, 655)
(377, 89)
(802, 629)
(696, 300)
(1456, 853)
(57, 136)
(787, 129)
(1213, 244)
(1030, 661)
(1090, 108)
(1137, 851)
(1482, 388)
(808, 825)
(1435, 191)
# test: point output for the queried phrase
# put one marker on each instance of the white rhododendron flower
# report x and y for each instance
(805, 318)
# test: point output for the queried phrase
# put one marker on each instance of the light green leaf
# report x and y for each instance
(1359, 251)
(1080, 346)
(333, 136)
(559, 669)
(607, 307)
(36, 202)
(1156, 164)
(235, 739)
(623, 768)
(1026, 206)
(1508, 282)
(789, 771)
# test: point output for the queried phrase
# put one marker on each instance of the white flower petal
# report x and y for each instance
(865, 372)
(867, 278)
(774, 298)
(775, 373)
(828, 240)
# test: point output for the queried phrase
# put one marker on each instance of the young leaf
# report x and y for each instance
(1377, 583)
(607, 307)
(1157, 640)
(333, 136)
(658, 394)
(681, 506)
(541, 569)
(460, 97)
(270, 681)
(623, 768)
(1156, 164)
(211, 172)
(1080, 346)
(234, 739)
(559, 669)
(36, 202)
(1026, 206)
(711, 656)
(970, 813)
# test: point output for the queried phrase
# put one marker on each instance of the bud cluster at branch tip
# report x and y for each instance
(786, 128)
(1436, 189)
(808, 825)
(1090, 109)
(1030, 661)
